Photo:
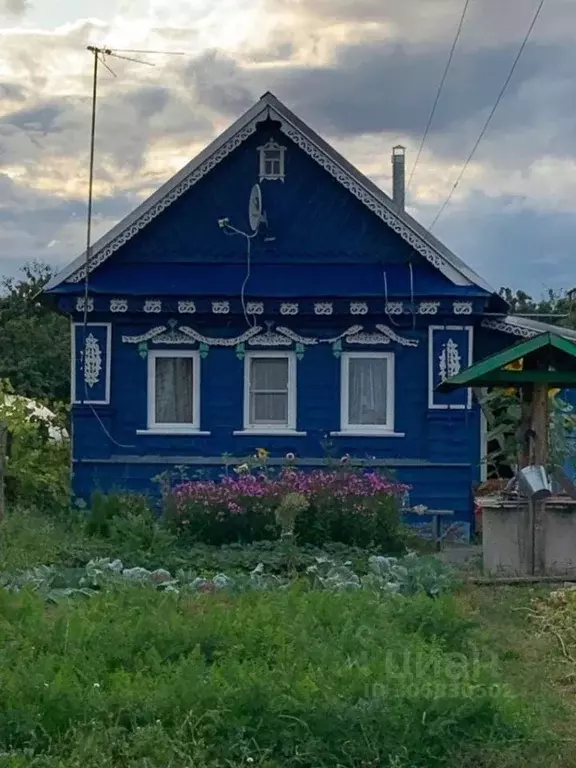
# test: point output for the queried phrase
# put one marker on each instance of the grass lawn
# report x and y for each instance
(532, 661)
(297, 677)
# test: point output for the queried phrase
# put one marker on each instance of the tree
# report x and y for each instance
(34, 339)
(555, 307)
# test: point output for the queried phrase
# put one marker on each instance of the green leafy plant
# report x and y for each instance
(38, 462)
(503, 408)
(127, 521)
(34, 339)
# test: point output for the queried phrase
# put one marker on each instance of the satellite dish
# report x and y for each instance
(255, 208)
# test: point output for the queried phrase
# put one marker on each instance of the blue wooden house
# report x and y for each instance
(270, 295)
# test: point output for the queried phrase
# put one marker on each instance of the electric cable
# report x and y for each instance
(439, 92)
(491, 115)
(249, 238)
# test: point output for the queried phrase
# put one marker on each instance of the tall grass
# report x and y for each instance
(294, 679)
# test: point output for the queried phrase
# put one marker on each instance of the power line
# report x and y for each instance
(439, 92)
(491, 115)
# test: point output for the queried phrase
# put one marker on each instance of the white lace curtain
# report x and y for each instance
(174, 390)
(367, 391)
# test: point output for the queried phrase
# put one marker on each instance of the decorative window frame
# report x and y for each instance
(367, 430)
(271, 145)
(162, 428)
(431, 362)
(271, 429)
(107, 369)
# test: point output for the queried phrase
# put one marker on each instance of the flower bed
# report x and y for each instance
(358, 509)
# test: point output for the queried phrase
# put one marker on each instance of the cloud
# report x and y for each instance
(391, 88)
(219, 83)
(14, 7)
(12, 92)
(363, 74)
(513, 245)
(149, 101)
(38, 225)
(42, 119)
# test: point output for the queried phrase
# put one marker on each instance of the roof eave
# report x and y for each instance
(259, 108)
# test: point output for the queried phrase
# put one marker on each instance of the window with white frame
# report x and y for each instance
(271, 161)
(270, 391)
(367, 392)
(174, 390)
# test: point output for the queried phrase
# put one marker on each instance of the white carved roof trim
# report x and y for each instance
(350, 177)
(525, 327)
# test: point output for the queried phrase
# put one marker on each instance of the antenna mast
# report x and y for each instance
(99, 55)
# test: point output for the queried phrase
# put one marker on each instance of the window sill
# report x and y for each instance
(367, 433)
(263, 432)
(168, 431)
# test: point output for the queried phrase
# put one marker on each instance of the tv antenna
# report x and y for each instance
(100, 55)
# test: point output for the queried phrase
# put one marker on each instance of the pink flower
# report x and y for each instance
(318, 485)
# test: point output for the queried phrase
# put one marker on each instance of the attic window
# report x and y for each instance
(271, 161)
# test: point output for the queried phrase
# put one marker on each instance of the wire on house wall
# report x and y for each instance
(225, 225)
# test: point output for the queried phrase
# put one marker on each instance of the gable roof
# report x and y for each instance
(492, 371)
(319, 150)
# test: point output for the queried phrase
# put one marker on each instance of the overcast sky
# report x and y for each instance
(363, 73)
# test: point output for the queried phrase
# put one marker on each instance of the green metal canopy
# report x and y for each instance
(547, 359)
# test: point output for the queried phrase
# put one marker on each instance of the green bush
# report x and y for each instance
(284, 680)
(37, 467)
(128, 524)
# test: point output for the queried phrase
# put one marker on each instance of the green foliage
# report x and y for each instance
(30, 540)
(292, 679)
(554, 307)
(128, 524)
(411, 575)
(34, 340)
(375, 522)
(504, 409)
(37, 468)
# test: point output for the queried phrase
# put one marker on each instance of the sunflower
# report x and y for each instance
(262, 453)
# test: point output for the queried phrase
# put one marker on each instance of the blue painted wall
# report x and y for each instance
(318, 405)
(309, 214)
(444, 442)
